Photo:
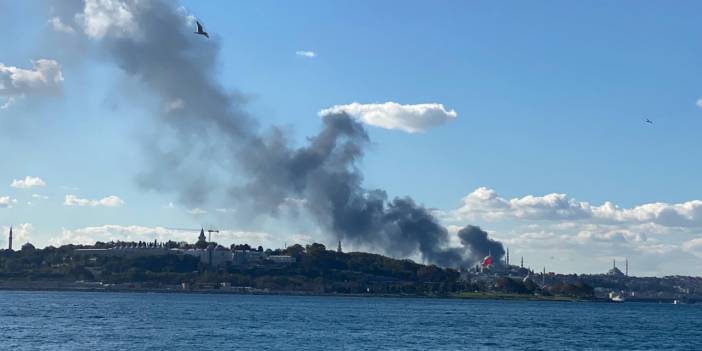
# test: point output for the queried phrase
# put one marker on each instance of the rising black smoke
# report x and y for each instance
(479, 242)
(179, 68)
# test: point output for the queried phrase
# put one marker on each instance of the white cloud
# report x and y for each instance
(23, 233)
(102, 18)
(6, 202)
(699, 103)
(681, 214)
(44, 78)
(28, 182)
(59, 26)
(693, 246)
(391, 115)
(307, 54)
(39, 196)
(105, 233)
(110, 201)
(197, 211)
(486, 204)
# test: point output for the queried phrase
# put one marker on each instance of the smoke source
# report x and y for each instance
(479, 243)
(160, 50)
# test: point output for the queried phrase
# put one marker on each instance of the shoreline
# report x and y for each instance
(489, 296)
(235, 291)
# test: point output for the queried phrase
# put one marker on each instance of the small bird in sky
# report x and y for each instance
(648, 121)
(200, 30)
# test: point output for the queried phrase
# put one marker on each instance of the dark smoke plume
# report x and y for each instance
(262, 169)
(479, 243)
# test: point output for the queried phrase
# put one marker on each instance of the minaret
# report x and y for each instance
(522, 263)
(338, 249)
(626, 267)
(10, 240)
(543, 277)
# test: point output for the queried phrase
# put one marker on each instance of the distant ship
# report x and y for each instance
(615, 297)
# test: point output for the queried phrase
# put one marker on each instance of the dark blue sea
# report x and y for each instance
(157, 321)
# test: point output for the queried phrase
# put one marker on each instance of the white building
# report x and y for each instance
(214, 256)
(281, 259)
(247, 256)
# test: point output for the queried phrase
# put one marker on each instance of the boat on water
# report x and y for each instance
(615, 297)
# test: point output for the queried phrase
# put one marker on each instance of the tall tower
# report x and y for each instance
(543, 277)
(522, 263)
(10, 240)
(201, 240)
(338, 249)
(626, 267)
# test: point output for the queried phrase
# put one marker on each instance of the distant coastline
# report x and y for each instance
(312, 270)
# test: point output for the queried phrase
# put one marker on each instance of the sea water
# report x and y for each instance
(50, 320)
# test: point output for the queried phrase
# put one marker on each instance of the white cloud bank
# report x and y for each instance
(44, 78)
(307, 54)
(485, 203)
(110, 201)
(28, 182)
(560, 232)
(693, 246)
(58, 25)
(391, 115)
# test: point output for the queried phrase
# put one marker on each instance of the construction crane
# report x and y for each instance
(209, 231)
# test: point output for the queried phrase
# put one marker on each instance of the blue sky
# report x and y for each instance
(550, 97)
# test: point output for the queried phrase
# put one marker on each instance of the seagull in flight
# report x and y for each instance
(200, 30)
(648, 121)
